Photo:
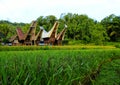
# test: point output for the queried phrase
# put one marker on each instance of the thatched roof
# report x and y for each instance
(20, 34)
(31, 32)
(46, 34)
(39, 35)
(32, 28)
(12, 38)
(54, 29)
(60, 36)
(42, 35)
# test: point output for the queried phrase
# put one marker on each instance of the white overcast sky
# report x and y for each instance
(28, 10)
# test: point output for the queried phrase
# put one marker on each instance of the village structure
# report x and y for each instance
(42, 37)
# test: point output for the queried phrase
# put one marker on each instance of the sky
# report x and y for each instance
(28, 10)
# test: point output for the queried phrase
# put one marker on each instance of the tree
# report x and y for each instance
(47, 22)
(98, 34)
(81, 27)
(112, 25)
(6, 30)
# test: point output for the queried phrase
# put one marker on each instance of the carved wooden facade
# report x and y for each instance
(50, 39)
(31, 38)
(60, 37)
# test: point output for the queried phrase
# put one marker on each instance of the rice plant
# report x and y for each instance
(60, 67)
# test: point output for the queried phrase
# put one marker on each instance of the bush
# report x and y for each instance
(75, 42)
(65, 42)
(117, 45)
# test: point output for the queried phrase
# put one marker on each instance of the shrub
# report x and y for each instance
(117, 45)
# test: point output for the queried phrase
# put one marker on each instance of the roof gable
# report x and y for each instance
(20, 34)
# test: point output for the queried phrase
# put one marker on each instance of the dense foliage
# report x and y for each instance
(80, 27)
(112, 25)
(60, 67)
(8, 29)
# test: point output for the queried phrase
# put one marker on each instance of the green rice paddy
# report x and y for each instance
(60, 67)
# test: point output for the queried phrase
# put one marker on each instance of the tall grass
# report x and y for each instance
(59, 67)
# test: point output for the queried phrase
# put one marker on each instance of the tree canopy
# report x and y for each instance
(112, 25)
(80, 27)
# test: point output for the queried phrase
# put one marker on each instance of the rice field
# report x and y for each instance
(67, 47)
(60, 67)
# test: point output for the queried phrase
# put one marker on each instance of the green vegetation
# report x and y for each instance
(60, 67)
(70, 47)
(90, 55)
(80, 27)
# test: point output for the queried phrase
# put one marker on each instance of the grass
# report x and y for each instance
(66, 47)
(60, 67)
